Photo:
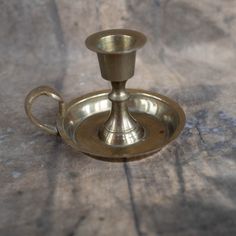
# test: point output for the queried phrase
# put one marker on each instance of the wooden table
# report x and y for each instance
(187, 189)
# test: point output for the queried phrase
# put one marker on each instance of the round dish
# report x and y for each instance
(162, 118)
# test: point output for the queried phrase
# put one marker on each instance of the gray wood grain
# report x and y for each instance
(187, 189)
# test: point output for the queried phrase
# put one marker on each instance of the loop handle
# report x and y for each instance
(50, 92)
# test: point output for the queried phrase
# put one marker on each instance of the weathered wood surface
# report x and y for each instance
(187, 189)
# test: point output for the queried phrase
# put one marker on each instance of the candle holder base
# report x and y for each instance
(162, 119)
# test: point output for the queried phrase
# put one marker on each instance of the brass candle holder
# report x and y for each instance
(114, 124)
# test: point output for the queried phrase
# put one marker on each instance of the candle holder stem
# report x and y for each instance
(120, 129)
